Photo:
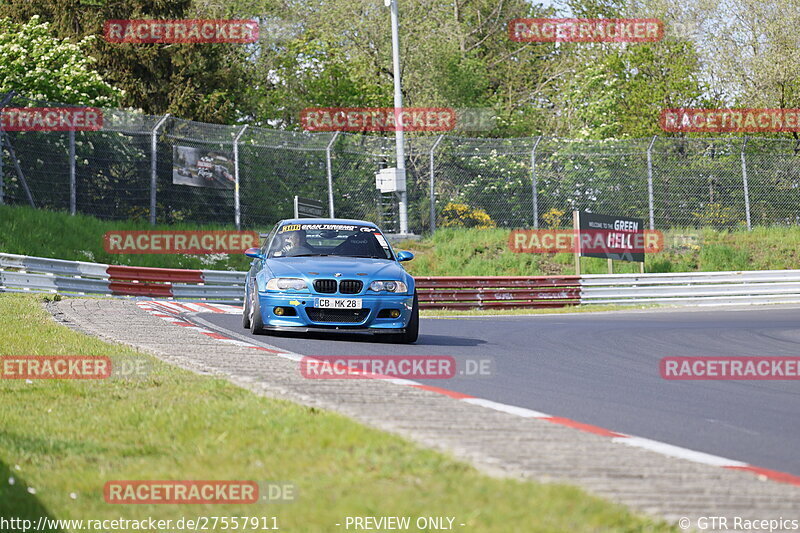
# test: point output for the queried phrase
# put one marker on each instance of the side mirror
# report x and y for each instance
(404, 256)
(255, 253)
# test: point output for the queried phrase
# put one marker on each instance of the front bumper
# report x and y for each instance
(334, 329)
(371, 303)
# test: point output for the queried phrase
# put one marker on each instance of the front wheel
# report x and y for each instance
(256, 320)
(246, 311)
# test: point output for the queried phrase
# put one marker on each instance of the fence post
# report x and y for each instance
(650, 182)
(154, 167)
(744, 183)
(2, 179)
(237, 213)
(330, 174)
(20, 176)
(2, 151)
(73, 193)
(535, 185)
(433, 190)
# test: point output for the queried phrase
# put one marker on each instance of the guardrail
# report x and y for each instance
(693, 288)
(19, 273)
(498, 292)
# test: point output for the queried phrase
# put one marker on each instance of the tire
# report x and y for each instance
(411, 333)
(246, 311)
(256, 320)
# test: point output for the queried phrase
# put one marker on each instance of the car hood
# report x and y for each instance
(321, 267)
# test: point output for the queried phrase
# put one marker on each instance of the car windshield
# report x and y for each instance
(345, 240)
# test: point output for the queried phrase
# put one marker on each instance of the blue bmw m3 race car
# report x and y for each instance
(330, 275)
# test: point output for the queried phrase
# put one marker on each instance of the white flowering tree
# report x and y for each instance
(42, 67)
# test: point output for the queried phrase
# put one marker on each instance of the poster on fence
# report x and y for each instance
(199, 167)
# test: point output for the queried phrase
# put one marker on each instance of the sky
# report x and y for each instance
(548, 3)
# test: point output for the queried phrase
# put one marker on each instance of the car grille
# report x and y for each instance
(337, 315)
(325, 286)
(350, 286)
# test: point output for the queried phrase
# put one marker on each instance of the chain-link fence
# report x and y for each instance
(167, 170)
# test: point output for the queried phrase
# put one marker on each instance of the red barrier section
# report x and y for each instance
(439, 292)
(156, 290)
(498, 292)
(464, 282)
(554, 293)
(129, 273)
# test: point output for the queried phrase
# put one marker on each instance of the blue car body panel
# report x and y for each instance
(337, 268)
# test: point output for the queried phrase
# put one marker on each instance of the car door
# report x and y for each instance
(257, 264)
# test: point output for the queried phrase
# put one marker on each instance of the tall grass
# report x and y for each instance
(476, 252)
(448, 252)
(55, 234)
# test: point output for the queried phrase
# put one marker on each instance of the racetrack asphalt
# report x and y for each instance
(603, 369)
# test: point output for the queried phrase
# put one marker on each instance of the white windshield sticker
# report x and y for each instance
(381, 240)
(339, 227)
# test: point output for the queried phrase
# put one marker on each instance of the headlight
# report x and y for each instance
(388, 286)
(282, 284)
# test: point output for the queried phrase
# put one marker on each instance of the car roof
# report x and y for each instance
(349, 221)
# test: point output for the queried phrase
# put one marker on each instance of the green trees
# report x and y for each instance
(43, 67)
(338, 53)
(754, 54)
(195, 81)
(454, 53)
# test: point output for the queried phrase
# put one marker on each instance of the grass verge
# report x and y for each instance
(62, 440)
(55, 234)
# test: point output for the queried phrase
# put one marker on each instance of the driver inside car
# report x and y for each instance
(295, 244)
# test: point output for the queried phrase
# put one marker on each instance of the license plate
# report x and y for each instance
(337, 303)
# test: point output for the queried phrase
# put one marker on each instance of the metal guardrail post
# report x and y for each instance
(330, 174)
(154, 167)
(744, 184)
(650, 182)
(73, 193)
(237, 212)
(433, 190)
(535, 185)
